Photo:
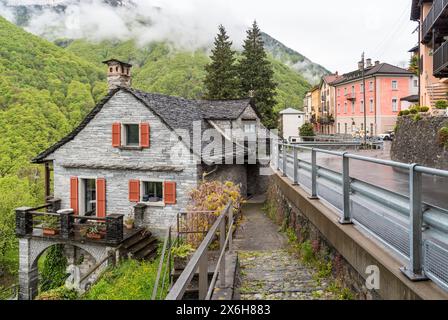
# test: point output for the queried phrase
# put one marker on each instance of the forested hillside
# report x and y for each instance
(160, 68)
(44, 92)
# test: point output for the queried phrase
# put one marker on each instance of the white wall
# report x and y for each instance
(291, 124)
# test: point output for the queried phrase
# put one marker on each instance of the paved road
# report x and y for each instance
(434, 190)
(268, 270)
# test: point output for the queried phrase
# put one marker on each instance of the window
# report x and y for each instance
(353, 106)
(362, 106)
(345, 128)
(339, 92)
(345, 91)
(152, 191)
(394, 85)
(353, 90)
(339, 128)
(371, 105)
(394, 105)
(362, 87)
(416, 83)
(339, 108)
(371, 85)
(89, 186)
(250, 126)
(371, 129)
(345, 107)
(132, 134)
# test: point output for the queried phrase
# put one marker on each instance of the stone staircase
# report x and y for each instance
(142, 245)
(192, 292)
(438, 91)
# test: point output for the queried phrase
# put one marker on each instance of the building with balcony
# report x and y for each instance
(385, 86)
(326, 116)
(432, 17)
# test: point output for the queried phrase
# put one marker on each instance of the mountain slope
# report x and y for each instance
(44, 92)
(304, 66)
(159, 67)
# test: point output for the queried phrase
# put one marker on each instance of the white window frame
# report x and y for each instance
(252, 123)
(82, 193)
(371, 86)
(396, 105)
(142, 191)
(362, 106)
(371, 105)
(345, 107)
(124, 137)
(394, 84)
(353, 107)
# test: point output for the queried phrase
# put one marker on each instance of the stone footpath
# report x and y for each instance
(268, 270)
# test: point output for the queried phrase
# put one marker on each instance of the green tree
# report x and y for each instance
(414, 64)
(307, 130)
(221, 81)
(257, 76)
(54, 268)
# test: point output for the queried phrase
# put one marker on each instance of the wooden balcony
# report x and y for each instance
(440, 61)
(436, 19)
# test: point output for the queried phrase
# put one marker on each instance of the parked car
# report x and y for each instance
(387, 136)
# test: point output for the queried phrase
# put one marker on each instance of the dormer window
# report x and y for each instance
(131, 135)
(250, 127)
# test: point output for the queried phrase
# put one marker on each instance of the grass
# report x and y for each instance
(130, 280)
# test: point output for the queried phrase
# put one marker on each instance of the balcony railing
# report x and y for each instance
(438, 8)
(350, 96)
(47, 221)
(440, 57)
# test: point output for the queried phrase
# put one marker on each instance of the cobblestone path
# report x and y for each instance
(268, 270)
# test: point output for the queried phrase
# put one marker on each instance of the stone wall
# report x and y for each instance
(417, 142)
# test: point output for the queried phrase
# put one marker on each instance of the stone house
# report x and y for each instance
(151, 149)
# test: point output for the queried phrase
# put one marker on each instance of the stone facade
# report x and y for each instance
(417, 142)
(92, 147)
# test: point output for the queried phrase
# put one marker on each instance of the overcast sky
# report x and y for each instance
(332, 33)
(335, 33)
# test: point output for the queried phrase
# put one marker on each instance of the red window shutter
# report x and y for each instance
(74, 204)
(100, 198)
(134, 190)
(144, 135)
(169, 192)
(116, 134)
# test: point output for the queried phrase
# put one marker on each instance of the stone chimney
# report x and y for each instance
(118, 74)
(369, 63)
(377, 62)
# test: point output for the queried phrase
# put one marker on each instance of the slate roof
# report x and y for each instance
(175, 112)
(382, 68)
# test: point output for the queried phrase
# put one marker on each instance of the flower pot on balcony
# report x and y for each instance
(94, 236)
(50, 232)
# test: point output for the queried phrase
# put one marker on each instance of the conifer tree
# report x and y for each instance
(222, 81)
(257, 76)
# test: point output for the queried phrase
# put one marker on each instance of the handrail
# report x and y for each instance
(199, 259)
(95, 267)
(162, 258)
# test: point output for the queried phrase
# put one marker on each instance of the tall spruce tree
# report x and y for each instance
(257, 76)
(222, 80)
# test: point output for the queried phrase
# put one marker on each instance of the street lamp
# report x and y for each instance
(364, 96)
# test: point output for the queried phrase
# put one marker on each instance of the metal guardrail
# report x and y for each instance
(165, 260)
(199, 260)
(415, 230)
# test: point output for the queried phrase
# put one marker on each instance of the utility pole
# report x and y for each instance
(364, 97)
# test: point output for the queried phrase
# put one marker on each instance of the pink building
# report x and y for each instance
(385, 86)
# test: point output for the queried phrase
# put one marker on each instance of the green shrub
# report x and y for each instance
(417, 117)
(413, 110)
(400, 113)
(405, 112)
(443, 136)
(60, 293)
(424, 109)
(182, 251)
(442, 104)
(130, 280)
(53, 272)
(307, 130)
